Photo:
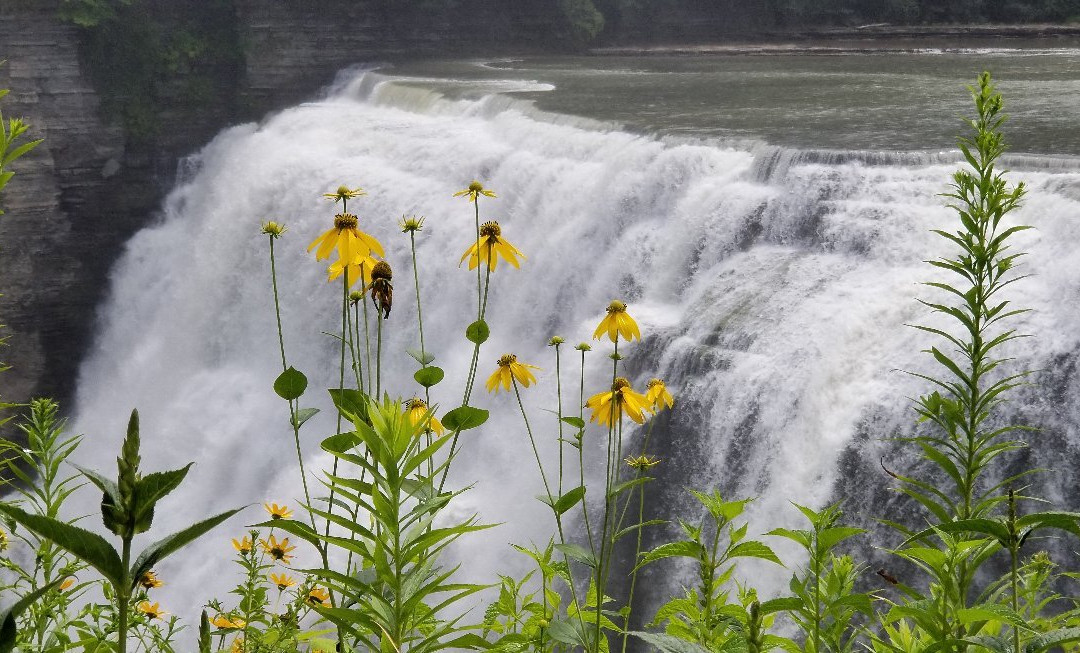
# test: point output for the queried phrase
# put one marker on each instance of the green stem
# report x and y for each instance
(367, 333)
(378, 357)
(532, 441)
(423, 349)
(634, 573)
(600, 573)
(558, 394)
(123, 598)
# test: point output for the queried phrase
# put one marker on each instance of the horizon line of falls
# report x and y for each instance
(772, 287)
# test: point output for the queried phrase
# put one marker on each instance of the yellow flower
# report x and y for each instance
(277, 512)
(318, 596)
(359, 269)
(283, 581)
(658, 395)
(642, 463)
(66, 585)
(583, 347)
(238, 645)
(415, 409)
(475, 190)
(555, 341)
(344, 193)
(150, 581)
(351, 243)
(151, 611)
(411, 223)
(273, 229)
(279, 551)
(617, 322)
(4, 543)
(382, 291)
(225, 623)
(608, 405)
(508, 371)
(243, 546)
(490, 247)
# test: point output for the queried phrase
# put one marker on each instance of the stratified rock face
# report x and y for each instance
(54, 233)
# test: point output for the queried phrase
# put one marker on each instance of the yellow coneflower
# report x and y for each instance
(279, 551)
(318, 596)
(150, 581)
(642, 463)
(583, 346)
(243, 546)
(226, 623)
(475, 190)
(283, 581)
(416, 408)
(277, 512)
(617, 322)
(411, 223)
(273, 229)
(555, 341)
(510, 369)
(608, 405)
(152, 611)
(382, 291)
(344, 193)
(490, 247)
(351, 243)
(658, 395)
(359, 269)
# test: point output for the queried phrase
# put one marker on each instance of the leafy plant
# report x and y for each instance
(127, 508)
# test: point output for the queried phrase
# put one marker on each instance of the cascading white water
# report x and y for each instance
(771, 285)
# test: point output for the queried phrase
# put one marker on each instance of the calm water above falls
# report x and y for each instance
(771, 266)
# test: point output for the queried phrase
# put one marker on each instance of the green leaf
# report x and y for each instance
(303, 415)
(576, 422)
(581, 554)
(353, 404)
(168, 545)
(478, 332)
(8, 626)
(428, 376)
(292, 527)
(1043, 641)
(422, 357)
(680, 549)
(569, 632)
(669, 643)
(788, 603)
(204, 633)
(989, 612)
(88, 547)
(464, 418)
(152, 488)
(753, 549)
(290, 384)
(569, 500)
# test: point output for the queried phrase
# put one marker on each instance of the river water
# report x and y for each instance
(766, 218)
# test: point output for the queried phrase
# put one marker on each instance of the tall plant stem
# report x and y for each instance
(378, 356)
(634, 573)
(423, 348)
(294, 404)
(558, 394)
(602, 559)
(367, 333)
(123, 598)
(341, 384)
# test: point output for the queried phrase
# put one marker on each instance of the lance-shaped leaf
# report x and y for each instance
(166, 546)
(152, 488)
(204, 633)
(111, 513)
(88, 547)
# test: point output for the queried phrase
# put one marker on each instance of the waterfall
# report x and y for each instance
(772, 287)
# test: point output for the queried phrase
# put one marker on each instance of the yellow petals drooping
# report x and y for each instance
(280, 551)
(278, 512)
(152, 611)
(225, 623)
(617, 322)
(508, 371)
(416, 408)
(283, 581)
(490, 248)
(475, 190)
(350, 242)
(243, 546)
(150, 581)
(608, 407)
(658, 395)
(358, 270)
(318, 596)
(642, 463)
